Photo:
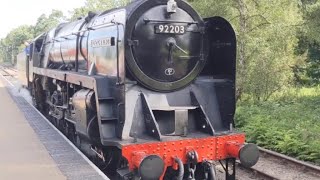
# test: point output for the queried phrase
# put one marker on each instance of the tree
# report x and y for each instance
(311, 10)
(266, 33)
(3, 50)
(308, 71)
(45, 23)
(208, 8)
(269, 29)
(13, 43)
(96, 6)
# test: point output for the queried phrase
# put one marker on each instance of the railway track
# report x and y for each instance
(276, 166)
(271, 165)
(8, 71)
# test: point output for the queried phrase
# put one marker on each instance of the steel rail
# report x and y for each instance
(258, 173)
(303, 164)
(5, 71)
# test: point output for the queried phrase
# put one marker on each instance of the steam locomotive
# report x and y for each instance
(147, 91)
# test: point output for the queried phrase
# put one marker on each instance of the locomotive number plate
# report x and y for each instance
(169, 29)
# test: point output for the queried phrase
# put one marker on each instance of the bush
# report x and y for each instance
(288, 123)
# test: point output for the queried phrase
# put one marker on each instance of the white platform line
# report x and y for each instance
(66, 139)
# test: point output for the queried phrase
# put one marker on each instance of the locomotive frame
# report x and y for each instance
(90, 78)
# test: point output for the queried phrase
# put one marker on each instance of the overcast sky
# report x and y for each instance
(14, 13)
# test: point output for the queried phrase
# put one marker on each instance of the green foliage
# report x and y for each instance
(96, 6)
(14, 41)
(311, 10)
(209, 8)
(12, 44)
(45, 23)
(288, 123)
(308, 73)
(267, 37)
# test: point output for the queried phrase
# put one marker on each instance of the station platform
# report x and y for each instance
(31, 148)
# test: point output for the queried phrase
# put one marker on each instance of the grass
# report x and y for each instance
(288, 123)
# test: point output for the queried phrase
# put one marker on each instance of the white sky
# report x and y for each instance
(14, 13)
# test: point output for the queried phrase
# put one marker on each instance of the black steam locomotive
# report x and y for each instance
(147, 90)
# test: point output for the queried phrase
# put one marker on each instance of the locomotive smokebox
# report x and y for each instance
(166, 48)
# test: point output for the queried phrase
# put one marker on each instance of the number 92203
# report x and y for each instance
(169, 29)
